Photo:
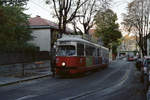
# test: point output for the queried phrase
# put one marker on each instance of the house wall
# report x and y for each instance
(128, 45)
(42, 39)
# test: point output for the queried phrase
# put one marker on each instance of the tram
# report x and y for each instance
(78, 55)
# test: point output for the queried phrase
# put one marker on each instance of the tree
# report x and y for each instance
(14, 28)
(137, 21)
(65, 11)
(107, 28)
(13, 2)
(86, 15)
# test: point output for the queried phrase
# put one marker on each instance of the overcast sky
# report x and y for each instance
(38, 7)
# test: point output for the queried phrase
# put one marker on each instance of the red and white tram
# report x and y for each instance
(77, 55)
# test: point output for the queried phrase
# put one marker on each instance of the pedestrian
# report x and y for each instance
(53, 61)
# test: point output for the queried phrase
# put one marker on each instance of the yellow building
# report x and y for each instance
(128, 43)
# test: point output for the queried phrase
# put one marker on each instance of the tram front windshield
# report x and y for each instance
(67, 50)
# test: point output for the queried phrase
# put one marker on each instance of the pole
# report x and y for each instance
(52, 55)
(148, 47)
(50, 50)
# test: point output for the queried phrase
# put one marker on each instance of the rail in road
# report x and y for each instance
(105, 91)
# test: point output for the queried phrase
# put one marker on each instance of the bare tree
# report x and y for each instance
(65, 11)
(86, 14)
(137, 21)
(13, 2)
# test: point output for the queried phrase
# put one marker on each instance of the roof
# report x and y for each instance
(78, 38)
(39, 22)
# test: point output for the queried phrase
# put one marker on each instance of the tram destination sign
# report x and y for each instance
(64, 43)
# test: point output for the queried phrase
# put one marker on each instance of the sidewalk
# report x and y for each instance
(148, 94)
(31, 73)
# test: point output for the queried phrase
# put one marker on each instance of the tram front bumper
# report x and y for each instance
(64, 70)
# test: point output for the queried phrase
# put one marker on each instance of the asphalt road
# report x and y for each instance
(120, 81)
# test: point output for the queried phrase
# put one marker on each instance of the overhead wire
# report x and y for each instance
(40, 6)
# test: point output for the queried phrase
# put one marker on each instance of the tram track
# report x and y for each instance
(104, 83)
(103, 91)
(90, 90)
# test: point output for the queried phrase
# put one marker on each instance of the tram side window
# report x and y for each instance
(102, 52)
(98, 52)
(80, 49)
(90, 51)
(87, 51)
(94, 51)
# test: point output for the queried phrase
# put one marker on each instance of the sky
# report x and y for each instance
(119, 7)
(38, 7)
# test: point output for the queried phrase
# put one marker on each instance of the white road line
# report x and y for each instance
(105, 91)
(26, 97)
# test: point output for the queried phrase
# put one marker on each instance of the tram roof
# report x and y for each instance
(78, 38)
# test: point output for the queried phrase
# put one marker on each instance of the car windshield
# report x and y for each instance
(66, 50)
(148, 62)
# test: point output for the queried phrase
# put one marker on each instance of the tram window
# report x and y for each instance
(90, 51)
(80, 49)
(102, 52)
(94, 51)
(98, 52)
(66, 50)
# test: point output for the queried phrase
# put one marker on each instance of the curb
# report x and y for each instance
(24, 80)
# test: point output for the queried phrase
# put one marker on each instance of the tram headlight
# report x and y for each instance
(63, 64)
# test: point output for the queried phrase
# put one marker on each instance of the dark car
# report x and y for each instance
(139, 64)
(131, 58)
(145, 72)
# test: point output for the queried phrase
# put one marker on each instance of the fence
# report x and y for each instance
(26, 69)
(23, 64)
(13, 58)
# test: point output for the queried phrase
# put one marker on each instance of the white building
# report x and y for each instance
(42, 31)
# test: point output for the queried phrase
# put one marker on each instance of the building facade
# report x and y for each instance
(44, 32)
(128, 43)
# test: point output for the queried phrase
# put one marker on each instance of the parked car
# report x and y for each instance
(145, 72)
(139, 64)
(135, 58)
(131, 58)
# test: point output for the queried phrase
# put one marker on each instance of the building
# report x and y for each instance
(128, 43)
(44, 32)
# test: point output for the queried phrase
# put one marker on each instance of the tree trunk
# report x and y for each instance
(64, 27)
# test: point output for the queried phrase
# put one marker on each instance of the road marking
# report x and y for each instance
(27, 97)
(103, 92)
(117, 86)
